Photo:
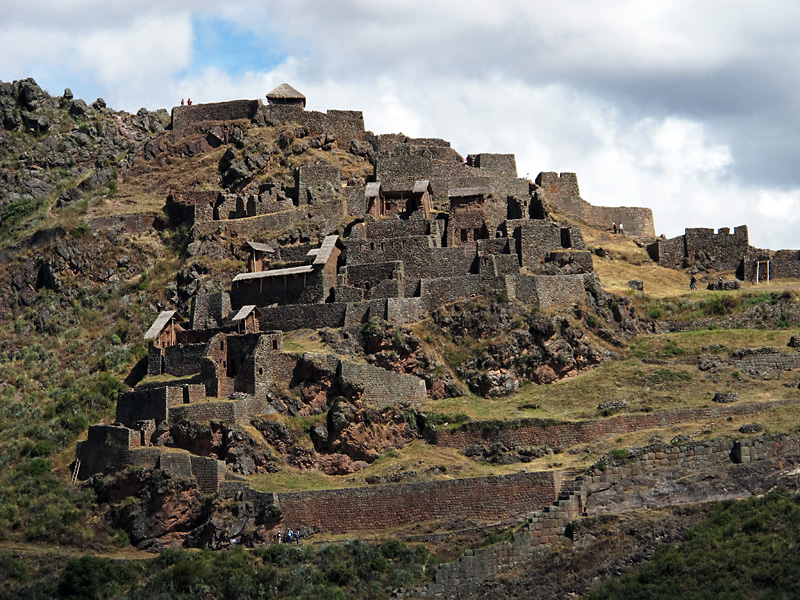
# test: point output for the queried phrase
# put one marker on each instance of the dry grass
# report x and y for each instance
(676, 383)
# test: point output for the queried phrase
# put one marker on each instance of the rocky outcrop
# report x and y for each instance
(78, 151)
(231, 444)
(510, 343)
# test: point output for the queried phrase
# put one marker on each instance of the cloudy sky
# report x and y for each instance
(691, 108)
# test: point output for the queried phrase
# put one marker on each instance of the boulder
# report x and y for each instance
(726, 397)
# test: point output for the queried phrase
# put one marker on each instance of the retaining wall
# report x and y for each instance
(549, 525)
(380, 507)
(383, 388)
(761, 360)
(536, 432)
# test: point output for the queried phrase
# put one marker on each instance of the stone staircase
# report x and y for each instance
(543, 528)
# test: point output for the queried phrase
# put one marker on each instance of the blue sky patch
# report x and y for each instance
(232, 48)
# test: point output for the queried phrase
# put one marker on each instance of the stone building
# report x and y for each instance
(308, 283)
(701, 247)
(286, 95)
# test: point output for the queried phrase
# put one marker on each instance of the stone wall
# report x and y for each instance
(183, 360)
(383, 388)
(405, 310)
(209, 310)
(393, 228)
(131, 224)
(549, 525)
(317, 181)
(544, 527)
(636, 220)
(536, 432)
(420, 256)
(190, 206)
(553, 184)
(577, 261)
(227, 411)
(533, 240)
(367, 276)
(668, 253)
(140, 405)
(104, 448)
(721, 251)
(724, 250)
(311, 316)
(782, 264)
(498, 164)
(489, 499)
(563, 196)
(436, 292)
(761, 361)
(250, 227)
(347, 125)
(549, 291)
(208, 472)
(214, 111)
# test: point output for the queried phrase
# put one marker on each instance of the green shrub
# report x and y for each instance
(719, 305)
(654, 312)
(619, 454)
(671, 350)
(121, 538)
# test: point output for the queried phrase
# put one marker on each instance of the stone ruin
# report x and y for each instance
(427, 228)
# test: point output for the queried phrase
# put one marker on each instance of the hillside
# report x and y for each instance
(466, 363)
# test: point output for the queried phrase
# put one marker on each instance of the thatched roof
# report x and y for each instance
(259, 247)
(285, 93)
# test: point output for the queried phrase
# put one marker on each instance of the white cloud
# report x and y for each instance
(650, 103)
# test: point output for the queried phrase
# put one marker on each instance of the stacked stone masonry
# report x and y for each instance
(721, 251)
(765, 360)
(487, 499)
(535, 432)
(549, 525)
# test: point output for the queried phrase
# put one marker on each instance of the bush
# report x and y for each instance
(90, 577)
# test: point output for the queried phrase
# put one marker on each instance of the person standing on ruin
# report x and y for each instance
(182, 102)
(189, 102)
